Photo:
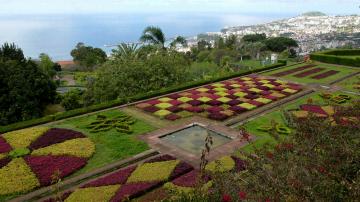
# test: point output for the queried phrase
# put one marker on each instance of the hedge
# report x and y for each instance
(114, 103)
(338, 57)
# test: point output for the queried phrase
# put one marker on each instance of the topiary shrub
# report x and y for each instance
(120, 123)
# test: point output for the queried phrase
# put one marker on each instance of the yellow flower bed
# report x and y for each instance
(80, 147)
(95, 194)
(3, 156)
(157, 171)
(23, 138)
(223, 164)
(17, 177)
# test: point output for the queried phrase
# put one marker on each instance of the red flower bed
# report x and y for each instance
(214, 103)
(180, 169)
(4, 146)
(55, 135)
(195, 102)
(175, 102)
(174, 96)
(45, 166)
(153, 102)
(187, 180)
(133, 190)
(151, 109)
(237, 109)
(239, 164)
(214, 109)
(174, 109)
(313, 108)
(309, 72)
(118, 177)
(291, 71)
(325, 74)
(218, 116)
(172, 117)
(195, 109)
(4, 161)
(234, 102)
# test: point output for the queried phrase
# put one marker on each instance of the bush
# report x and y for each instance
(338, 57)
(72, 99)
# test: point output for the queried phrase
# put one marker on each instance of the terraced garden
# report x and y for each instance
(34, 158)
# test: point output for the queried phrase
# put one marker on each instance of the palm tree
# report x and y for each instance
(178, 40)
(153, 35)
(126, 51)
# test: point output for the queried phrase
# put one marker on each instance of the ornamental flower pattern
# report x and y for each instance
(48, 150)
(222, 100)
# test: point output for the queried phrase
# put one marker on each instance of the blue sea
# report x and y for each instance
(57, 34)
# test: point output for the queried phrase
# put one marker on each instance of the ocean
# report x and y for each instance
(57, 34)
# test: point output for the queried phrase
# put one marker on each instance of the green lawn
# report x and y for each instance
(349, 84)
(251, 63)
(264, 137)
(343, 71)
(110, 145)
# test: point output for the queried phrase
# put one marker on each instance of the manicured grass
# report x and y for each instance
(343, 71)
(251, 63)
(110, 145)
(277, 116)
(350, 83)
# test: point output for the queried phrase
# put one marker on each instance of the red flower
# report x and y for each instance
(267, 200)
(321, 169)
(226, 198)
(246, 136)
(270, 155)
(242, 195)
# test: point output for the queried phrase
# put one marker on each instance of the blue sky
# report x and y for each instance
(149, 6)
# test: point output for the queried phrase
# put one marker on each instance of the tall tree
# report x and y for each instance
(153, 35)
(88, 57)
(126, 52)
(47, 65)
(252, 38)
(279, 44)
(24, 91)
(178, 40)
(11, 52)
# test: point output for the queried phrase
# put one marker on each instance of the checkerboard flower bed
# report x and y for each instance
(133, 181)
(309, 72)
(291, 71)
(325, 74)
(30, 157)
(221, 100)
(186, 183)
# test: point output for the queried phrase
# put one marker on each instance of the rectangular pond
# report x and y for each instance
(192, 138)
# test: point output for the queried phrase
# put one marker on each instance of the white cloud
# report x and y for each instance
(242, 6)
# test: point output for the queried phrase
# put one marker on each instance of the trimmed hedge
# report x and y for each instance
(114, 103)
(338, 57)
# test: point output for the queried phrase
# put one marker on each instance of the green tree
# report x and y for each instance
(47, 65)
(252, 38)
(203, 45)
(72, 99)
(154, 36)
(231, 41)
(88, 57)
(124, 78)
(11, 52)
(126, 52)
(279, 44)
(178, 40)
(24, 91)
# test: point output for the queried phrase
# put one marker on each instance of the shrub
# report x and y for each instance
(338, 57)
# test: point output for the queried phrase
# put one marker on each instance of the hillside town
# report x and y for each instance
(313, 31)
